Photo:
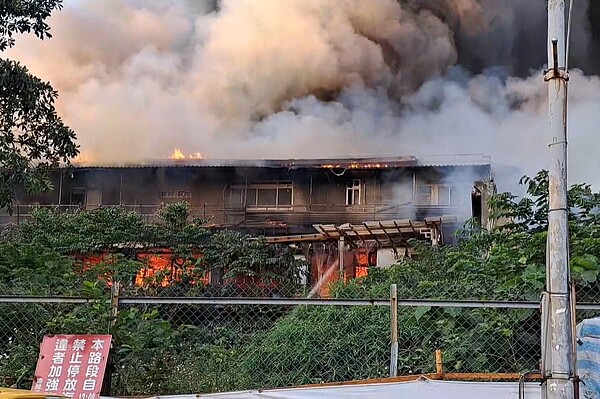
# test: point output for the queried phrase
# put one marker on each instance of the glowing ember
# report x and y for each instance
(178, 154)
(355, 166)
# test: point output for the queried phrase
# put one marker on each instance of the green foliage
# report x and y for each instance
(147, 346)
(32, 269)
(314, 345)
(80, 231)
(335, 344)
(241, 256)
(505, 264)
(150, 343)
(124, 233)
(176, 348)
(24, 16)
(111, 228)
(33, 137)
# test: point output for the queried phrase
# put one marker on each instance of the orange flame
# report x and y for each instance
(83, 157)
(178, 154)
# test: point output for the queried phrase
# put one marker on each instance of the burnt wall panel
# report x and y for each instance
(329, 187)
(457, 184)
(301, 184)
(208, 186)
(336, 194)
(322, 185)
(319, 195)
(372, 190)
(111, 187)
(397, 187)
(50, 197)
(141, 186)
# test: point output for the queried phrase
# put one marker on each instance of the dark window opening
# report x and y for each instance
(78, 196)
(262, 195)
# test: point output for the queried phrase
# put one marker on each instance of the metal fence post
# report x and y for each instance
(115, 291)
(439, 364)
(394, 330)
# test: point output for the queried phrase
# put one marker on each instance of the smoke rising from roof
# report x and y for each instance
(314, 78)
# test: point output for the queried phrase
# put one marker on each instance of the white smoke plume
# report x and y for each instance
(315, 78)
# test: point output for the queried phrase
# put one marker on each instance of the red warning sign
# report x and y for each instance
(72, 365)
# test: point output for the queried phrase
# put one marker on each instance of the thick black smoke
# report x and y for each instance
(511, 34)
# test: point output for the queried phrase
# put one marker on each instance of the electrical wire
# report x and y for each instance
(339, 174)
(568, 42)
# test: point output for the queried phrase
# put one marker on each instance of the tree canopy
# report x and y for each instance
(33, 137)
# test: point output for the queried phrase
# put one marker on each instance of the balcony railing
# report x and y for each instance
(268, 216)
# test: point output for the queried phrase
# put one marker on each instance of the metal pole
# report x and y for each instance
(439, 364)
(60, 189)
(115, 292)
(560, 373)
(341, 256)
(394, 330)
(121, 190)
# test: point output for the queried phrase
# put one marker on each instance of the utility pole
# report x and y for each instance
(558, 364)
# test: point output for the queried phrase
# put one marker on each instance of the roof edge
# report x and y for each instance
(380, 162)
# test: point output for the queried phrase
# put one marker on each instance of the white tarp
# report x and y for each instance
(420, 389)
(588, 357)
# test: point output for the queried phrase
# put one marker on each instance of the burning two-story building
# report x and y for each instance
(367, 208)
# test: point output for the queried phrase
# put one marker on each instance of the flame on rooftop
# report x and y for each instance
(177, 154)
(84, 157)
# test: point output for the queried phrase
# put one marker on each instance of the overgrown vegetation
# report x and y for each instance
(33, 137)
(44, 257)
(53, 239)
(506, 264)
(205, 348)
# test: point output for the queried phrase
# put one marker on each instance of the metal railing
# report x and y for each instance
(170, 345)
(263, 216)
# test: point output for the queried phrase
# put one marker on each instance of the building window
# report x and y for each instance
(353, 189)
(439, 194)
(175, 194)
(265, 195)
(78, 196)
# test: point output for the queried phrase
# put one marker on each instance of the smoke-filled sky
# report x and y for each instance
(317, 78)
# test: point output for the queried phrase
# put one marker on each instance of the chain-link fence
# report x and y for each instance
(171, 345)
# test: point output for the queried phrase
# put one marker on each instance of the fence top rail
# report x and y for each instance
(290, 302)
(284, 301)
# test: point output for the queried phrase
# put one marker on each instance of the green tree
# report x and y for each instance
(33, 137)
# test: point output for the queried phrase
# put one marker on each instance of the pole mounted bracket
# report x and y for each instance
(555, 72)
(560, 73)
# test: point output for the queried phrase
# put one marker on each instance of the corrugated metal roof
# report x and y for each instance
(322, 163)
(454, 160)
